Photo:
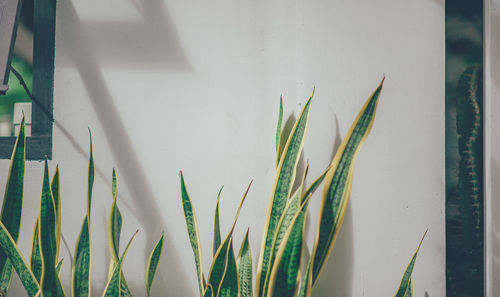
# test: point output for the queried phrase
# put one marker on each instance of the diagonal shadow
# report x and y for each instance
(77, 47)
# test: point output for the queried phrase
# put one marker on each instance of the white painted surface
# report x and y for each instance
(492, 154)
(195, 85)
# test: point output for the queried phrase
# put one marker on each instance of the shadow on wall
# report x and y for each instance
(335, 279)
(89, 45)
(495, 208)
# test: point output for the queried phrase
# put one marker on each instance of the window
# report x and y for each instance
(34, 62)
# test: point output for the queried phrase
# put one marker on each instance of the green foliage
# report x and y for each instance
(279, 264)
(42, 276)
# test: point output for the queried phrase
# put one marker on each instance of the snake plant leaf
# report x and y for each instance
(114, 231)
(209, 292)
(36, 258)
(284, 278)
(194, 237)
(244, 264)
(409, 291)
(115, 222)
(291, 209)
(305, 287)
(229, 284)
(113, 287)
(285, 176)
(90, 178)
(56, 194)
(217, 238)
(154, 259)
(12, 205)
(49, 281)
(58, 267)
(80, 285)
(405, 284)
(313, 187)
(9, 247)
(219, 262)
(278, 132)
(338, 182)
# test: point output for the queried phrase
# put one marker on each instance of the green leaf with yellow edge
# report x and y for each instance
(192, 228)
(80, 285)
(284, 278)
(114, 231)
(113, 287)
(338, 183)
(405, 284)
(217, 237)
(291, 210)
(220, 259)
(285, 176)
(229, 284)
(55, 187)
(12, 205)
(278, 132)
(36, 258)
(153, 261)
(244, 264)
(90, 177)
(9, 247)
(115, 222)
(409, 291)
(49, 280)
(209, 292)
(58, 268)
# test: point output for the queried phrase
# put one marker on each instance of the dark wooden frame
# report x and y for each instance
(39, 144)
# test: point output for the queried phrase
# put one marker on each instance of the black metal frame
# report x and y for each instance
(465, 266)
(39, 144)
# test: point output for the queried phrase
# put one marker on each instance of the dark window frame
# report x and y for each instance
(39, 144)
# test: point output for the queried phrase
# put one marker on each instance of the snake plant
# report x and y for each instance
(279, 264)
(41, 275)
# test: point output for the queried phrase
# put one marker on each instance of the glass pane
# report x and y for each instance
(16, 101)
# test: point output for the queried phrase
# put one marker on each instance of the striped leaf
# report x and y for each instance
(80, 285)
(405, 284)
(113, 287)
(220, 259)
(12, 205)
(114, 231)
(154, 259)
(291, 210)
(244, 264)
(194, 238)
(285, 176)
(209, 292)
(115, 223)
(409, 291)
(36, 258)
(305, 286)
(49, 280)
(283, 281)
(58, 268)
(9, 247)
(278, 132)
(90, 177)
(217, 237)
(229, 284)
(338, 183)
(55, 187)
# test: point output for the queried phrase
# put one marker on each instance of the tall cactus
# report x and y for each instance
(470, 138)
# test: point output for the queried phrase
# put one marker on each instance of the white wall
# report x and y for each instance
(195, 85)
(492, 155)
